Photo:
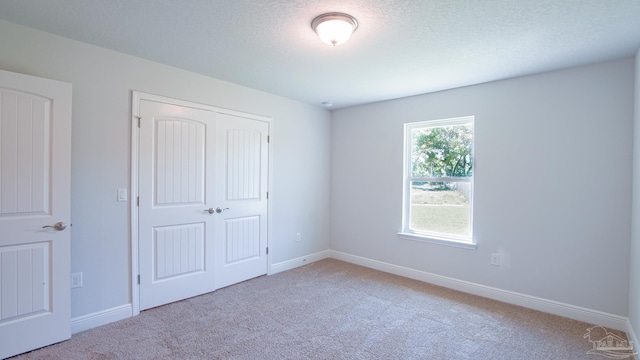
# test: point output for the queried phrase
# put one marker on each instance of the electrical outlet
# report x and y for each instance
(76, 280)
(298, 237)
(495, 259)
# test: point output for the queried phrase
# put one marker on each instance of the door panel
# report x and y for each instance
(242, 239)
(242, 163)
(175, 232)
(25, 154)
(35, 154)
(24, 270)
(178, 250)
(179, 171)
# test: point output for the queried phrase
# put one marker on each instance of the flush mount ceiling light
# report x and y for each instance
(334, 28)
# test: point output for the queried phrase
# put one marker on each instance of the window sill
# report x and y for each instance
(435, 240)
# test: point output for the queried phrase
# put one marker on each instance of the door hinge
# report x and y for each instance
(267, 250)
(138, 279)
(138, 201)
(268, 139)
(138, 117)
(267, 195)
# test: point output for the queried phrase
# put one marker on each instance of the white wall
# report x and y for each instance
(102, 83)
(552, 184)
(634, 281)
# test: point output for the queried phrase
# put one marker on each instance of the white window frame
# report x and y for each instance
(432, 237)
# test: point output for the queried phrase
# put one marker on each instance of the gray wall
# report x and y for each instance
(102, 83)
(634, 283)
(552, 184)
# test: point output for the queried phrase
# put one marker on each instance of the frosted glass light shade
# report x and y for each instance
(334, 28)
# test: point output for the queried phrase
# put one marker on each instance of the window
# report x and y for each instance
(438, 181)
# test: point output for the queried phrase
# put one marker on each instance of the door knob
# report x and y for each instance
(58, 226)
(210, 210)
(219, 210)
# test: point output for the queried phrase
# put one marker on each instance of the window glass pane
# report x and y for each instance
(442, 151)
(441, 207)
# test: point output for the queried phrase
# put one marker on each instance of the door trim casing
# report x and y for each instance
(136, 97)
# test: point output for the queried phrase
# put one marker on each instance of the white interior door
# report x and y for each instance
(241, 187)
(35, 154)
(176, 181)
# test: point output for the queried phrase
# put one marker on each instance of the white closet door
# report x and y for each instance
(202, 186)
(176, 237)
(242, 180)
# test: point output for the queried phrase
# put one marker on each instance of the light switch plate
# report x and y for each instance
(122, 194)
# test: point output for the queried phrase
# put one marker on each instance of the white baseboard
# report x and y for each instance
(532, 302)
(631, 336)
(90, 321)
(294, 263)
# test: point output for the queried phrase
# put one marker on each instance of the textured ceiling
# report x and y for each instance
(401, 47)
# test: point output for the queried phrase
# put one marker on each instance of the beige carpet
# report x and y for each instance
(331, 310)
